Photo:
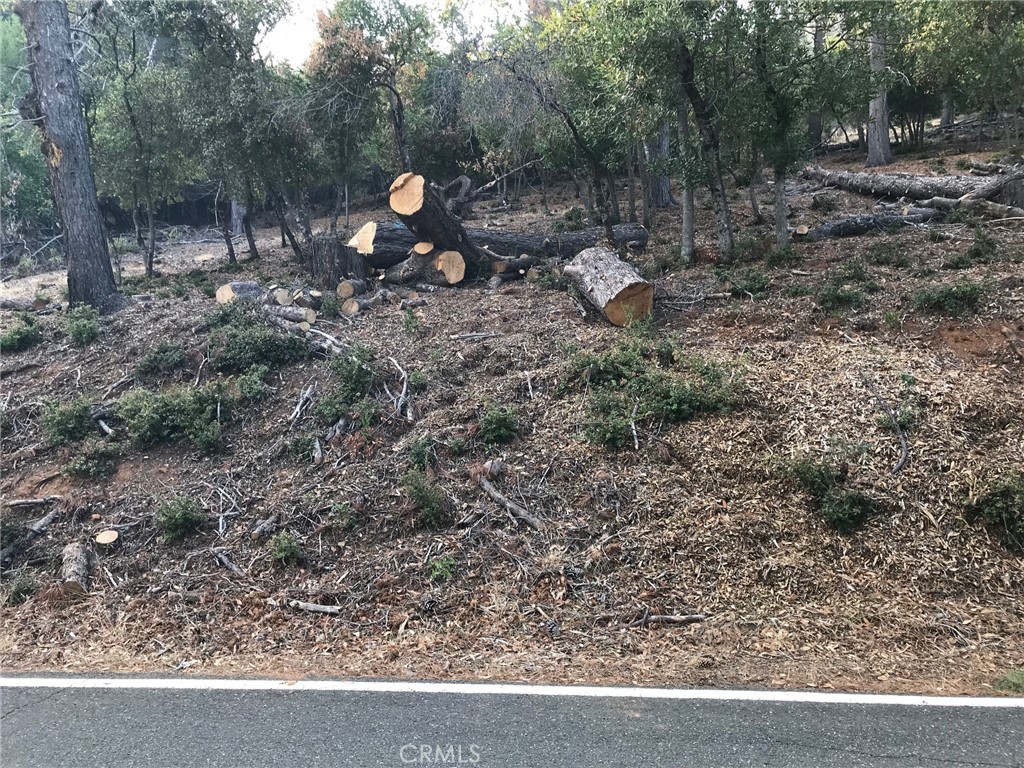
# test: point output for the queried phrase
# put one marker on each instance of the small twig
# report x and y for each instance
(514, 509)
(199, 373)
(904, 449)
(401, 399)
(691, 618)
(632, 426)
(220, 555)
(333, 610)
(264, 527)
(304, 404)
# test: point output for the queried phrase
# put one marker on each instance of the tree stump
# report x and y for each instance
(611, 285)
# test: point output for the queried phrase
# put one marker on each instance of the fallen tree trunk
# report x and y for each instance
(293, 314)
(386, 244)
(241, 291)
(441, 269)
(983, 207)
(357, 304)
(611, 285)
(896, 185)
(860, 225)
(77, 561)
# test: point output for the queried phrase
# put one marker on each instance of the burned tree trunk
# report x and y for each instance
(611, 285)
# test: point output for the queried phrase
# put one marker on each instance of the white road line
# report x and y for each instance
(503, 689)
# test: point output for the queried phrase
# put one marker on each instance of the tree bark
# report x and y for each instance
(397, 109)
(814, 121)
(781, 220)
(860, 225)
(657, 154)
(687, 247)
(879, 152)
(77, 561)
(54, 105)
(226, 231)
(712, 153)
(611, 285)
(247, 221)
(897, 185)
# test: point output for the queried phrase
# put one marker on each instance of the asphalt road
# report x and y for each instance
(86, 727)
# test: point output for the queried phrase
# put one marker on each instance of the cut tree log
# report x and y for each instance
(351, 287)
(981, 207)
(419, 269)
(421, 210)
(452, 265)
(293, 314)
(859, 225)
(77, 562)
(423, 248)
(611, 285)
(331, 261)
(362, 240)
(357, 304)
(282, 297)
(107, 538)
(299, 328)
(896, 185)
(242, 291)
(391, 242)
(308, 299)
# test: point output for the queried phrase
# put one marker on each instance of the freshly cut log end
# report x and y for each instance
(611, 285)
(107, 538)
(423, 248)
(308, 299)
(282, 297)
(76, 563)
(242, 291)
(362, 241)
(349, 288)
(407, 194)
(452, 265)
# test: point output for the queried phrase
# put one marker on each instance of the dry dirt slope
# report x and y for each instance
(703, 517)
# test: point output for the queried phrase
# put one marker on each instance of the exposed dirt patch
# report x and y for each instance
(703, 516)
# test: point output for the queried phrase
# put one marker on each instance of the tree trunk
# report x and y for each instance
(657, 154)
(712, 153)
(860, 225)
(612, 285)
(879, 152)
(631, 188)
(247, 221)
(226, 231)
(397, 109)
(330, 261)
(336, 213)
(756, 179)
(286, 232)
(814, 121)
(781, 220)
(237, 216)
(897, 185)
(151, 248)
(688, 236)
(390, 243)
(645, 184)
(54, 105)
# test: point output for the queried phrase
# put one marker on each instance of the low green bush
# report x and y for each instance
(22, 334)
(286, 549)
(95, 460)
(82, 325)
(422, 452)
(179, 517)
(352, 376)
(181, 413)
(441, 569)
(951, 300)
(842, 508)
(498, 425)
(19, 588)
(67, 422)
(164, 358)
(426, 498)
(1002, 507)
(1012, 681)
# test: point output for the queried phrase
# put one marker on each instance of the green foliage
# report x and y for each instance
(953, 300)
(250, 384)
(498, 425)
(844, 509)
(441, 569)
(179, 517)
(887, 253)
(1012, 681)
(824, 202)
(1002, 507)
(844, 287)
(353, 376)
(410, 321)
(95, 459)
(19, 587)
(422, 452)
(418, 382)
(24, 333)
(330, 306)
(573, 220)
(187, 413)
(166, 357)
(743, 282)
(426, 498)
(646, 380)
(286, 549)
(82, 325)
(240, 341)
(67, 422)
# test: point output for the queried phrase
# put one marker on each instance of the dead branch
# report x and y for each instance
(904, 449)
(646, 621)
(514, 509)
(333, 610)
(35, 530)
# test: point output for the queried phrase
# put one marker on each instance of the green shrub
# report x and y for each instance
(646, 381)
(417, 382)
(426, 499)
(781, 258)
(286, 548)
(887, 253)
(96, 459)
(82, 325)
(498, 425)
(24, 333)
(166, 357)
(952, 300)
(573, 220)
(441, 568)
(743, 282)
(353, 376)
(178, 517)
(330, 306)
(250, 384)
(842, 508)
(1002, 507)
(1012, 681)
(68, 423)
(824, 202)
(19, 588)
(10, 532)
(421, 452)
(984, 249)
(960, 261)
(410, 321)
(236, 349)
(189, 413)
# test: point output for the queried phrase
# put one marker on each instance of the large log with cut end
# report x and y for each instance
(240, 291)
(612, 285)
(77, 561)
(897, 185)
(426, 269)
(425, 215)
(860, 225)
